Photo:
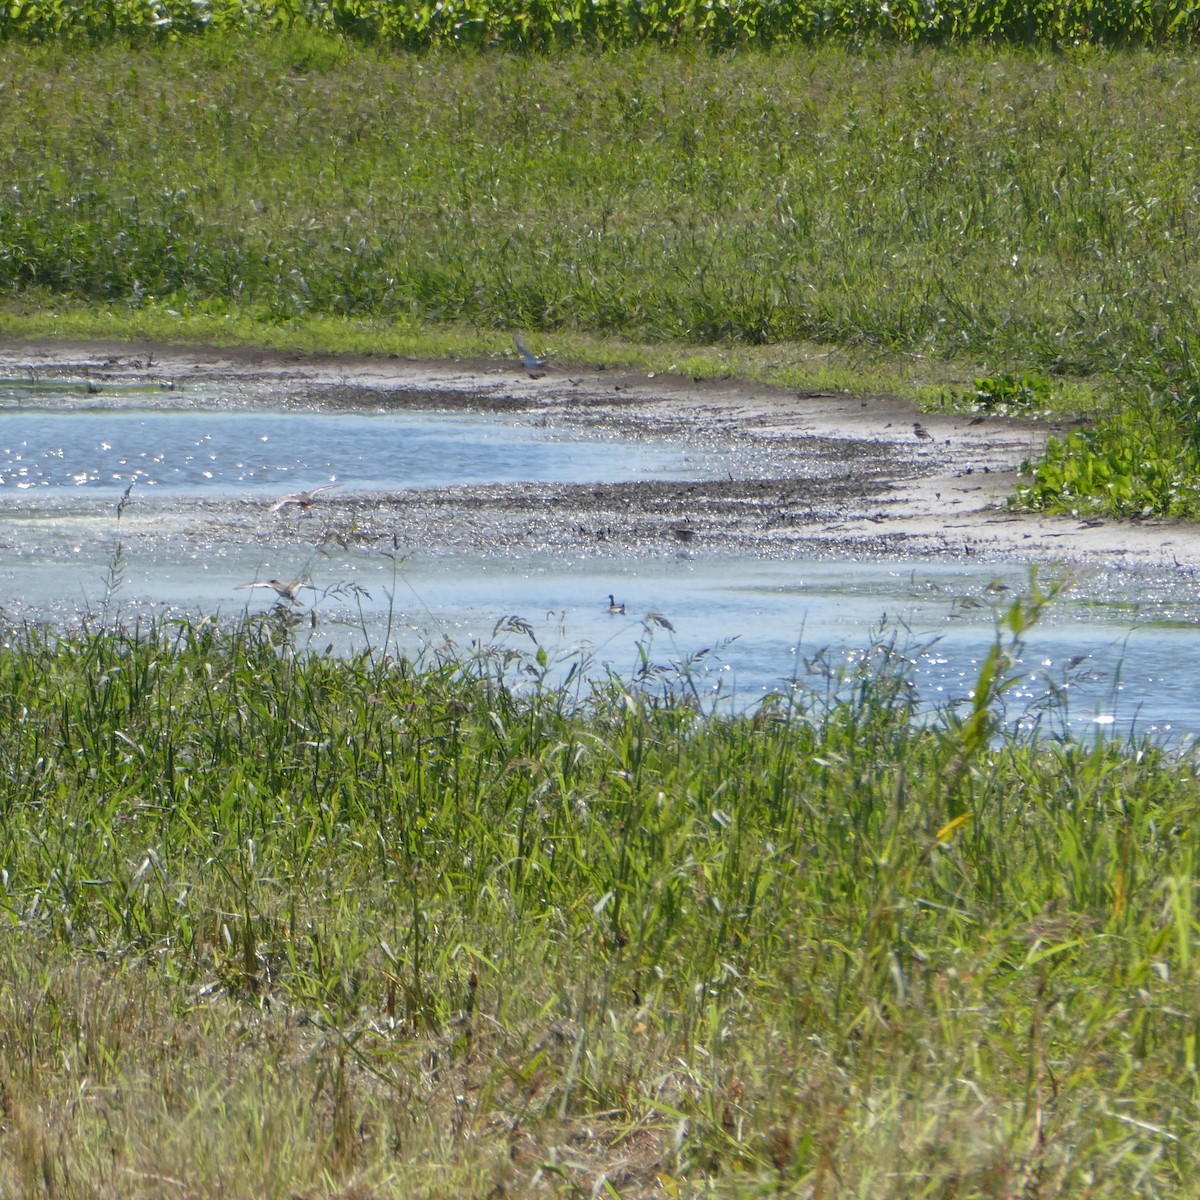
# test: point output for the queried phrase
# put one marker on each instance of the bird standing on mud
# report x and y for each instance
(302, 500)
(923, 434)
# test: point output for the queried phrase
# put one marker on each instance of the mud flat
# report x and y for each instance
(834, 475)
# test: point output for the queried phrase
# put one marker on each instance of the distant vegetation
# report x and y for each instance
(544, 25)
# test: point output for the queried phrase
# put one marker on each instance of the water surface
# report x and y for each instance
(1120, 651)
(230, 452)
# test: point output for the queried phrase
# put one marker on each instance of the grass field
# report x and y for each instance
(1010, 212)
(278, 924)
(926, 218)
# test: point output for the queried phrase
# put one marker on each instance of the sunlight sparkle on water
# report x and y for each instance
(767, 624)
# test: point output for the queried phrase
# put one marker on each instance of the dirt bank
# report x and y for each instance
(833, 474)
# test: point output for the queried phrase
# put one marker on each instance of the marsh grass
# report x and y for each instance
(281, 923)
(932, 220)
(1008, 210)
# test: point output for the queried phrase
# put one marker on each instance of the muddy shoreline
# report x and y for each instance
(835, 475)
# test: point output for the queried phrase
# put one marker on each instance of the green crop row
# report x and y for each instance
(543, 24)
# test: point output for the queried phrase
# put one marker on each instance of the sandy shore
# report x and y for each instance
(833, 474)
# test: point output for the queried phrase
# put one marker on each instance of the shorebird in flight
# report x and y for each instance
(285, 591)
(534, 365)
(302, 500)
(615, 608)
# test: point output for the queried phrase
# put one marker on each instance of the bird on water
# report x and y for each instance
(614, 607)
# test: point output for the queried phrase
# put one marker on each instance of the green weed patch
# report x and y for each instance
(1123, 467)
(541, 26)
(413, 924)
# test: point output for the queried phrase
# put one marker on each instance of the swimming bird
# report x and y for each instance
(285, 591)
(303, 500)
(614, 607)
(534, 365)
(923, 434)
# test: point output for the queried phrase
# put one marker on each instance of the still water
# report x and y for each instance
(210, 449)
(1116, 653)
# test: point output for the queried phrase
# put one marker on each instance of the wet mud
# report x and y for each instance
(808, 474)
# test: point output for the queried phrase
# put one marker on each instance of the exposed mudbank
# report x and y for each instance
(835, 474)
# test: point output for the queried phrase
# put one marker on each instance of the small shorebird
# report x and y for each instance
(285, 591)
(534, 365)
(615, 608)
(923, 434)
(302, 500)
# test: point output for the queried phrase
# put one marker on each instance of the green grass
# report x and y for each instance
(282, 923)
(925, 220)
(1007, 211)
(509, 24)
(937, 219)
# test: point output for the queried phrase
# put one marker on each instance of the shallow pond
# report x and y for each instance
(225, 444)
(1118, 651)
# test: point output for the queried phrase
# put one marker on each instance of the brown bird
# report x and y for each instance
(285, 591)
(615, 608)
(302, 500)
(923, 434)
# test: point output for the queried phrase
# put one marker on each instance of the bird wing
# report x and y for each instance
(301, 497)
(285, 591)
(531, 360)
